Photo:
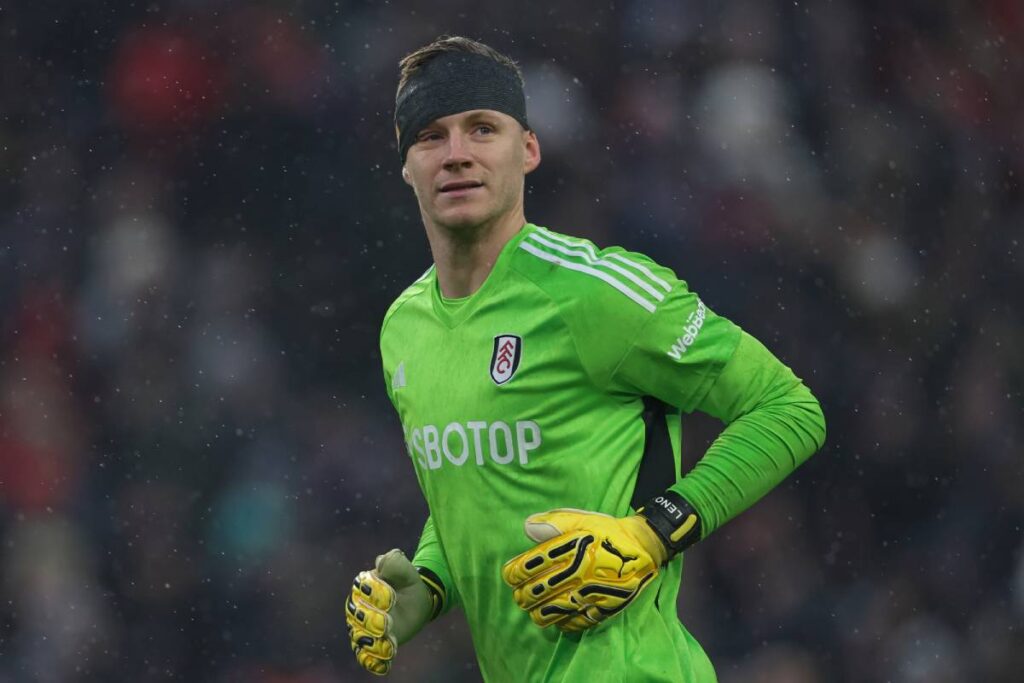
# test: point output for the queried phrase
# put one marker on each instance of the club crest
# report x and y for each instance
(508, 349)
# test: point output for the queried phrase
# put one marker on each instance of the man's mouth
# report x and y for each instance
(460, 185)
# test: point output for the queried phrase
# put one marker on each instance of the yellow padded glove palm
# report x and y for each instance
(388, 605)
(587, 567)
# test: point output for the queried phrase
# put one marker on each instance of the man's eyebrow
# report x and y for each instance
(428, 127)
(486, 115)
(472, 118)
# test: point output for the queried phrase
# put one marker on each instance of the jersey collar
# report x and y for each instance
(453, 318)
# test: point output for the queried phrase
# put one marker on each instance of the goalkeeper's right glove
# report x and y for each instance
(389, 605)
(587, 567)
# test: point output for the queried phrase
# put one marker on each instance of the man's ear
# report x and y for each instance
(531, 160)
(405, 176)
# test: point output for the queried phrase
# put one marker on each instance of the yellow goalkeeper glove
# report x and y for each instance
(589, 566)
(389, 605)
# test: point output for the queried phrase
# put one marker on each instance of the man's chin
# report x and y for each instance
(461, 221)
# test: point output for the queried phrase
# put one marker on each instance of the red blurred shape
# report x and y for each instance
(31, 477)
(284, 57)
(161, 80)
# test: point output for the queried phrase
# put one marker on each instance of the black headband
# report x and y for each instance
(454, 82)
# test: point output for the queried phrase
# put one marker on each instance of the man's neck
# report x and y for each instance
(464, 258)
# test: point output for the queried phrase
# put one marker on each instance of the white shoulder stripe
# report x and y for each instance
(643, 269)
(618, 257)
(658, 296)
(600, 274)
(425, 274)
(569, 241)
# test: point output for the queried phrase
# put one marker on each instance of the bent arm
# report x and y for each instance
(774, 424)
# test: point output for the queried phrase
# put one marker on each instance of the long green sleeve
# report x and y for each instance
(774, 424)
(430, 556)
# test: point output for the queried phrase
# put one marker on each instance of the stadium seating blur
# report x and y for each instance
(202, 223)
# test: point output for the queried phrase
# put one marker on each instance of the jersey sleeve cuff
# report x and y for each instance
(438, 585)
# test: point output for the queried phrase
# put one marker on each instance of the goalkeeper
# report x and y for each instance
(540, 382)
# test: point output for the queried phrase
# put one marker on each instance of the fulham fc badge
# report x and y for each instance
(508, 349)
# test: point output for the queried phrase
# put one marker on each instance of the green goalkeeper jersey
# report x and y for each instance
(560, 383)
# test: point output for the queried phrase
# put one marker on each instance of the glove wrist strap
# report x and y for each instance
(436, 589)
(674, 520)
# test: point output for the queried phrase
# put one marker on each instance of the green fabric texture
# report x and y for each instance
(589, 333)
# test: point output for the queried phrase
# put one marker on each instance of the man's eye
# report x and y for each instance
(484, 128)
(426, 137)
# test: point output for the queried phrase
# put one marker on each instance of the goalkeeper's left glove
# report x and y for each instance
(388, 605)
(589, 566)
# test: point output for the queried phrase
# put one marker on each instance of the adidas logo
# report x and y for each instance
(398, 381)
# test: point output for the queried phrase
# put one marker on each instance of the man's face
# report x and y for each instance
(467, 169)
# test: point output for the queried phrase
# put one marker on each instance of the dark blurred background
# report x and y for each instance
(202, 224)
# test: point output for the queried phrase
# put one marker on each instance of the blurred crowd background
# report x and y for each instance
(202, 224)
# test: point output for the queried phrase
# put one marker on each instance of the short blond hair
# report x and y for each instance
(413, 61)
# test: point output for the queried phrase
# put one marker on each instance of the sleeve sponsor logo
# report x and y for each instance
(694, 323)
(472, 442)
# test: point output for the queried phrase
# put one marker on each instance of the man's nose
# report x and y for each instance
(458, 151)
